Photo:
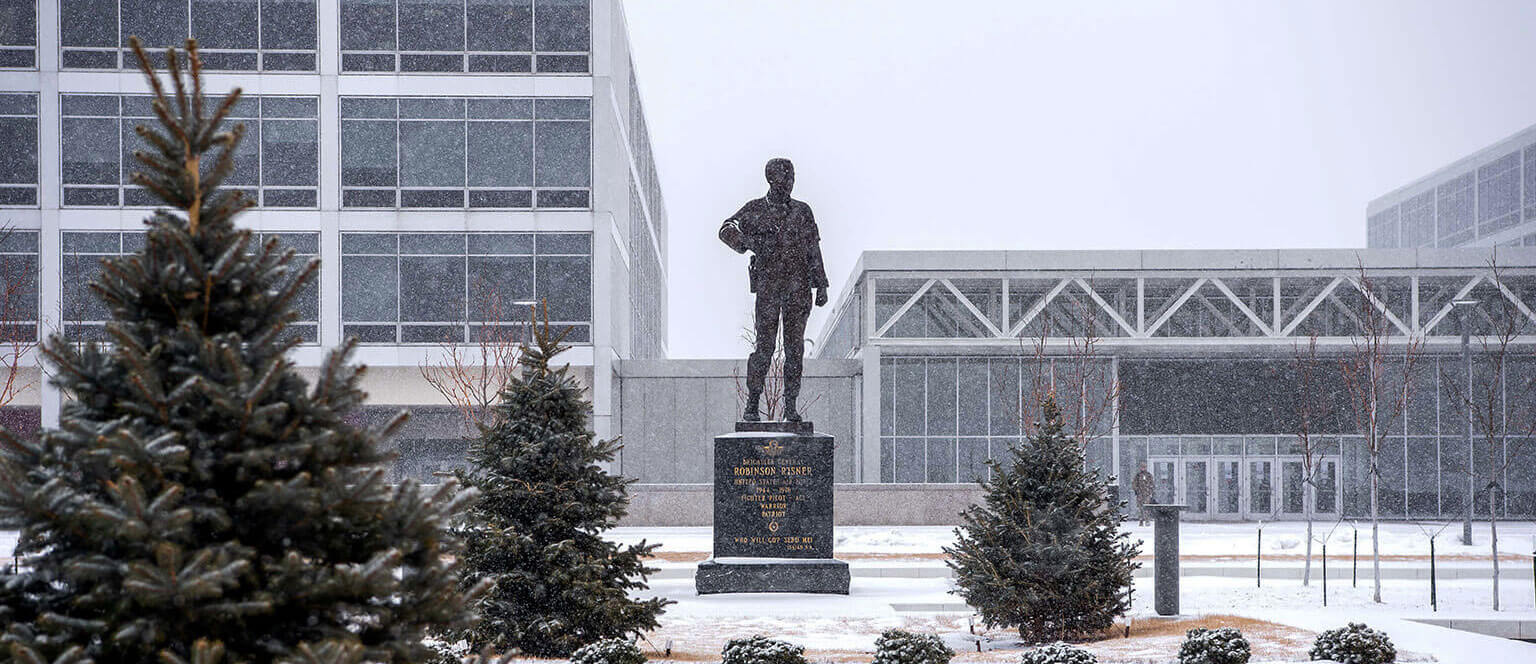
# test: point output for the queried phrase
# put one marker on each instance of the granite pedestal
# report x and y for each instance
(1165, 558)
(773, 513)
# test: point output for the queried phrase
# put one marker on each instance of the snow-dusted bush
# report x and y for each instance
(608, 651)
(901, 647)
(1058, 653)
(762, 650)
(1223, 645)
(1354, 644)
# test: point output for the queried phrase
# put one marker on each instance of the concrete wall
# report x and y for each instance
(673, 409)
(853, 504)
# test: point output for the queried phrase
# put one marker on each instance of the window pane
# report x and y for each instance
(368, 153)
(224, 23)
(500, 25)
(941, 460)
(973, 397)
(941, 396)
(368, 288)
(496, 283)
(435, 154)
(1004, 394)
(565, 243)
(501, 243)
(1498, 195)
(90, 150)
(354, 108)
(501, 109)
(18, 22)
(451, 244)
(88, 22)
(431, 288)
(132, 142)
(1454, 210)
(909, 458)
(563, 25)
(500, 154)
(564, 109)
(565, 283)
(18, 162)
(432, 108)
(79, 303)
(288, 24)
(973, 459)
(431, 25)
(157, 23)
(564, 154)
(247, 157)
(907, 394)
(368, 243)
(368, 25)
(290, 152)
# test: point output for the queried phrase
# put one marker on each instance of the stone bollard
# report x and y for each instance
(1165, 558)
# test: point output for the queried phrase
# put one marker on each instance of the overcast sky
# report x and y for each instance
(965, 124)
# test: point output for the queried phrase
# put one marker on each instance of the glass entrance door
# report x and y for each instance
(1293, 488)
(1197, 486)
(1164, 484)
(1261, 488)
(1229, 488)
(1325, 500)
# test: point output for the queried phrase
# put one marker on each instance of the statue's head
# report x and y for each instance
(781, 177)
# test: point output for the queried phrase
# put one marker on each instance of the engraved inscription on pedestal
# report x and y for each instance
(773, 513)
(773, 503)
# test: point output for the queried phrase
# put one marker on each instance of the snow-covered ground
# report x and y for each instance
(701, 624)
(845, 627)
(1195, 539)
(840, 626)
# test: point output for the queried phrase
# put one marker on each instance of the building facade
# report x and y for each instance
(1187, 362)
(446, 161)
(1483, 200)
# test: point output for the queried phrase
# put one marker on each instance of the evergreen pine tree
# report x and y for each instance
(200, 501)
(536, 531)
(1044, 552)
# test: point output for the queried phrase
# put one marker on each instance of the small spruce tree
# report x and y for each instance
(200, 501)
(536, 531)
(1044, 552)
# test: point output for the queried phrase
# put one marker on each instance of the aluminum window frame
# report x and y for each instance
(535, 191)
(465, 55)
(125, 121)
(123, 58)
(36, 117)
(468, 324)
(68, 323)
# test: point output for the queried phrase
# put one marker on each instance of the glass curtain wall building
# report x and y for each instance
(432, 169)
(1187, 362)
(1485, 199)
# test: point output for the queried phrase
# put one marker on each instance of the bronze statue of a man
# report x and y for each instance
(786, 266)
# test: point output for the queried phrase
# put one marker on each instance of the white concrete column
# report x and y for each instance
(329, 64)
(868, 446)
(50, 287)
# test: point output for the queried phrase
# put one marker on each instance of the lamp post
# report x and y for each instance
(1463, 308)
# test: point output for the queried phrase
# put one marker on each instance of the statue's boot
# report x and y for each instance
(790, 414)
(751, 413)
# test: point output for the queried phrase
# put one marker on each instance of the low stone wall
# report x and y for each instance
(853, 504)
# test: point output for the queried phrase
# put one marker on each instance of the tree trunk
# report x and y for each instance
(1493, 537)
(1306, 570)
(1375, 540)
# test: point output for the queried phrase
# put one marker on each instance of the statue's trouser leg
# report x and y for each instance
(797, 309)
(765, 323)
